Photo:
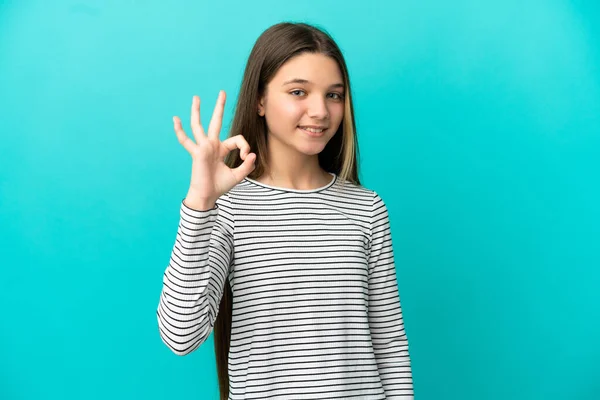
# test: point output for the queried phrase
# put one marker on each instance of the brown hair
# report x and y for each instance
(272, 49)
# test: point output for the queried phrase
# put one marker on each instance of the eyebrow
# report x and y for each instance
(298, 80)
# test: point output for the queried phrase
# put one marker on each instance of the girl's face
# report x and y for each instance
(306, 91)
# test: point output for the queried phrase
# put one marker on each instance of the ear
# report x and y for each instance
(261, 107)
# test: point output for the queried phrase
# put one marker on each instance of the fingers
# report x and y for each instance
(232, 143)
(217, 118)
(195, 119)
(239, 142)
(181, 136)
(245, 168)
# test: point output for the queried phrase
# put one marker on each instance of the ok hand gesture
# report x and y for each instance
(211, 177)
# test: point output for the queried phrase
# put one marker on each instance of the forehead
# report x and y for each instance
(317, 68)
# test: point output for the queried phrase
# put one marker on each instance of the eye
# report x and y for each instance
(336, 96)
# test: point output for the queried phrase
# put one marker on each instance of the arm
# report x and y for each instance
(194, 280)
(389, 339)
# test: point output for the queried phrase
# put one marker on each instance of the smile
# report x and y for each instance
(312, 132)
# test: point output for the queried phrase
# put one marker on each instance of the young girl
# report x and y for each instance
(279, 248)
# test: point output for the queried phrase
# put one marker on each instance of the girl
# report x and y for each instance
(279, 249)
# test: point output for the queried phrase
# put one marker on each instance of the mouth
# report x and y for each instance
(314, 132)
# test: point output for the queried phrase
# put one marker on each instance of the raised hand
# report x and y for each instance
(211, 177)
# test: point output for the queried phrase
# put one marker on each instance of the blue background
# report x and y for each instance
(478, 123)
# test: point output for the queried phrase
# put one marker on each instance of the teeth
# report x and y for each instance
(313, 130)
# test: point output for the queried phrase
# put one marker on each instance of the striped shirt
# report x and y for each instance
(316, 312)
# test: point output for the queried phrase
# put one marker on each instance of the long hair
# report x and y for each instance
(272, 49)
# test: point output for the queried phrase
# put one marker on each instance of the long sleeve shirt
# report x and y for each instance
(316, 312)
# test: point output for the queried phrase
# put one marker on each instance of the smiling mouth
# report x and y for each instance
(313, 131)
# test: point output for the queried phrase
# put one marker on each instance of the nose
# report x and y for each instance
(317, 108)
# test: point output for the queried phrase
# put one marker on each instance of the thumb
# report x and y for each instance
(246, 167)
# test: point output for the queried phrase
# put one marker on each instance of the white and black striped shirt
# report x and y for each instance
(316, 311)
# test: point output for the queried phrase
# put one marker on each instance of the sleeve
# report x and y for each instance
(194, 280)
(390, 342)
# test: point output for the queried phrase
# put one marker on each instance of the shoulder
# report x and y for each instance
(243, 189)
(368, 195)
(350, 188)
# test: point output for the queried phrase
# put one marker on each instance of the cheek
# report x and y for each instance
(337, 109)
(284, 114)
(290, 110)
(336, 114)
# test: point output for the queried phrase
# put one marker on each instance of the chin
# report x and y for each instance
(310, 149)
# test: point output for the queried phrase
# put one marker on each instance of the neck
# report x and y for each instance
(294, 170)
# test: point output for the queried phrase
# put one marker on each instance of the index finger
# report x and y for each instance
(195, 122)
(214, 128)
